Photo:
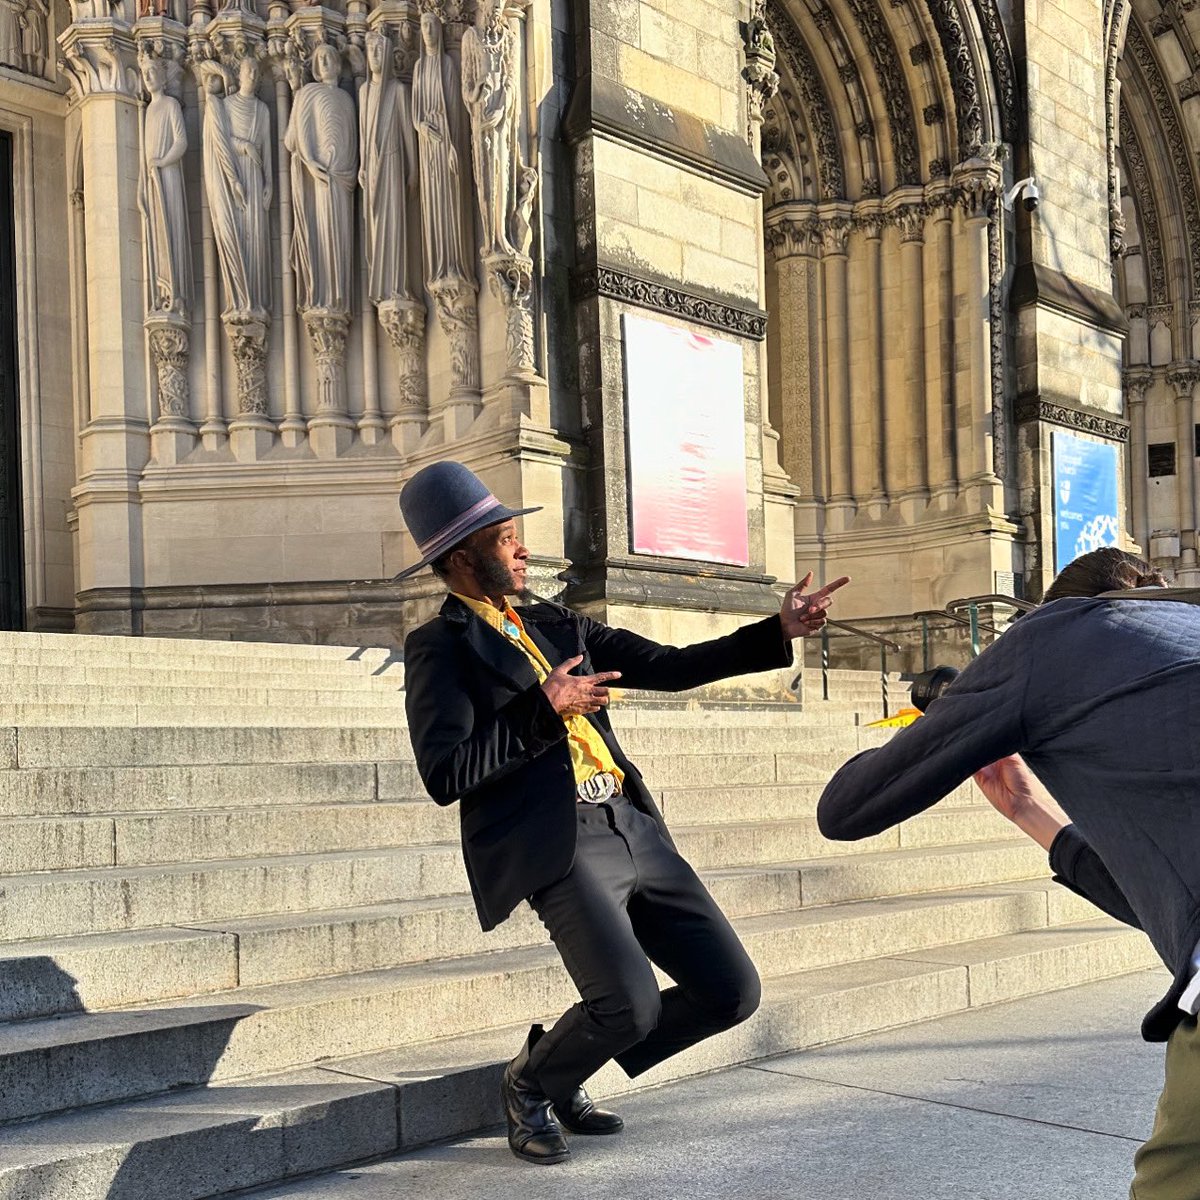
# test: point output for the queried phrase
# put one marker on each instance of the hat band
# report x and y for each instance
(445, 537)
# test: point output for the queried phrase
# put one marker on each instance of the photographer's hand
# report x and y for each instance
(1015, 792)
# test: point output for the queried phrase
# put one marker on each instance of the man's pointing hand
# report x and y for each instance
(803, 615)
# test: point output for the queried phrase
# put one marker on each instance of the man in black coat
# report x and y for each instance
(506, 715)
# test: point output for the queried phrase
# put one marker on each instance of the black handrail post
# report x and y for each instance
(824, 663)
(883, 682)
(924, 643)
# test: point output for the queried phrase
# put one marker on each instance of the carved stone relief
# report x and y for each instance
(1177, 145)
(168, 336)
(761, 78)
(1149, 226)
(803, 73)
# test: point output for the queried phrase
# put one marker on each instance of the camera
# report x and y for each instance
(1027, 188)
(929, 685)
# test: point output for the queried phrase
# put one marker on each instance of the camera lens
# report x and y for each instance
(931, 684)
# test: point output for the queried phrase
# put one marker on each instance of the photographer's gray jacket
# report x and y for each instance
(1102, 699)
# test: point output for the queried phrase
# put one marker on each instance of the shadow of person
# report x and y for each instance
(107, 1099)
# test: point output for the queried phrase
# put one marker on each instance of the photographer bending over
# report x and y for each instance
(1100, 697)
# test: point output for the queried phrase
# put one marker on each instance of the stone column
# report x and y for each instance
(100, 60)
(1184, 377)
(867, 449)
(834, 261)
(976, 185)
(292, 428)
(801, 419)
(907, 436)
(941, 474)
(1137, 383)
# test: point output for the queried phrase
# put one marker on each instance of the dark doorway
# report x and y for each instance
(12, 607)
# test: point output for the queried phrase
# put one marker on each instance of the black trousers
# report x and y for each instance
(631, 900)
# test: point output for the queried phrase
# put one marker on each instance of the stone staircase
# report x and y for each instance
(237, 945)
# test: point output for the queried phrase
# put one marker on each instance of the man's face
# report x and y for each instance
(497, 559)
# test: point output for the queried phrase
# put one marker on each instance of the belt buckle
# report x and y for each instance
(600, 787)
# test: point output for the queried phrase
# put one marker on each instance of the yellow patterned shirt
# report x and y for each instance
(589, 753)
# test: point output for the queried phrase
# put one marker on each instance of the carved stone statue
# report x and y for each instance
(387, 172)
(489, 85)
(441, 141)
(10, 33)
(322, 136)
(238, 179)
(162, 197)
(33, 36)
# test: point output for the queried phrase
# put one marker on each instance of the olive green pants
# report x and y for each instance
(1167, 1167)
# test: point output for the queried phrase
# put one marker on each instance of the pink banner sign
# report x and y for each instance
(686, 427)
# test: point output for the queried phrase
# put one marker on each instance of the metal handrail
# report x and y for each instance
(972, 603)
(994, 598)
(884, 646)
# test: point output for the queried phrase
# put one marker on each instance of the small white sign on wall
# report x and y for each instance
(686, 441)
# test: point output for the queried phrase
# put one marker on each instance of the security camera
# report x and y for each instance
(1031, 194)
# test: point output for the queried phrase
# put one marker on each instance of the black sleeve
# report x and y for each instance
(976, 722)
(646, 664)
(1081, 870)
(457, 746)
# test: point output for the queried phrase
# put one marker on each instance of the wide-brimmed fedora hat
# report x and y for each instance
(444, 503)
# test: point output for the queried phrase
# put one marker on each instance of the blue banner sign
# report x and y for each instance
(1086, 516)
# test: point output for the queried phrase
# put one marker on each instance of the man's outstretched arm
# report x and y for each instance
(761, 646)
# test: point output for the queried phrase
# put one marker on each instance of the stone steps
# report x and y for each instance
(123, 968)
(101, 1057)
(227, 871)
(210, 1140)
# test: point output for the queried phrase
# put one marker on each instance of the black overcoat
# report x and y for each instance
(485, 735)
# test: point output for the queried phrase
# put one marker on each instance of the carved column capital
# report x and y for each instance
(1183, 377)
(977, 183)
(1137, 381)
(100, 58)
(791, 237)
(910, 220)
(834, 235)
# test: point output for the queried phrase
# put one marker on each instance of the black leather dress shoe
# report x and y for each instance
(580, 1115)
(533, 1133)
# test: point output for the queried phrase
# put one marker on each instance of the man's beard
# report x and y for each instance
(492, 576)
